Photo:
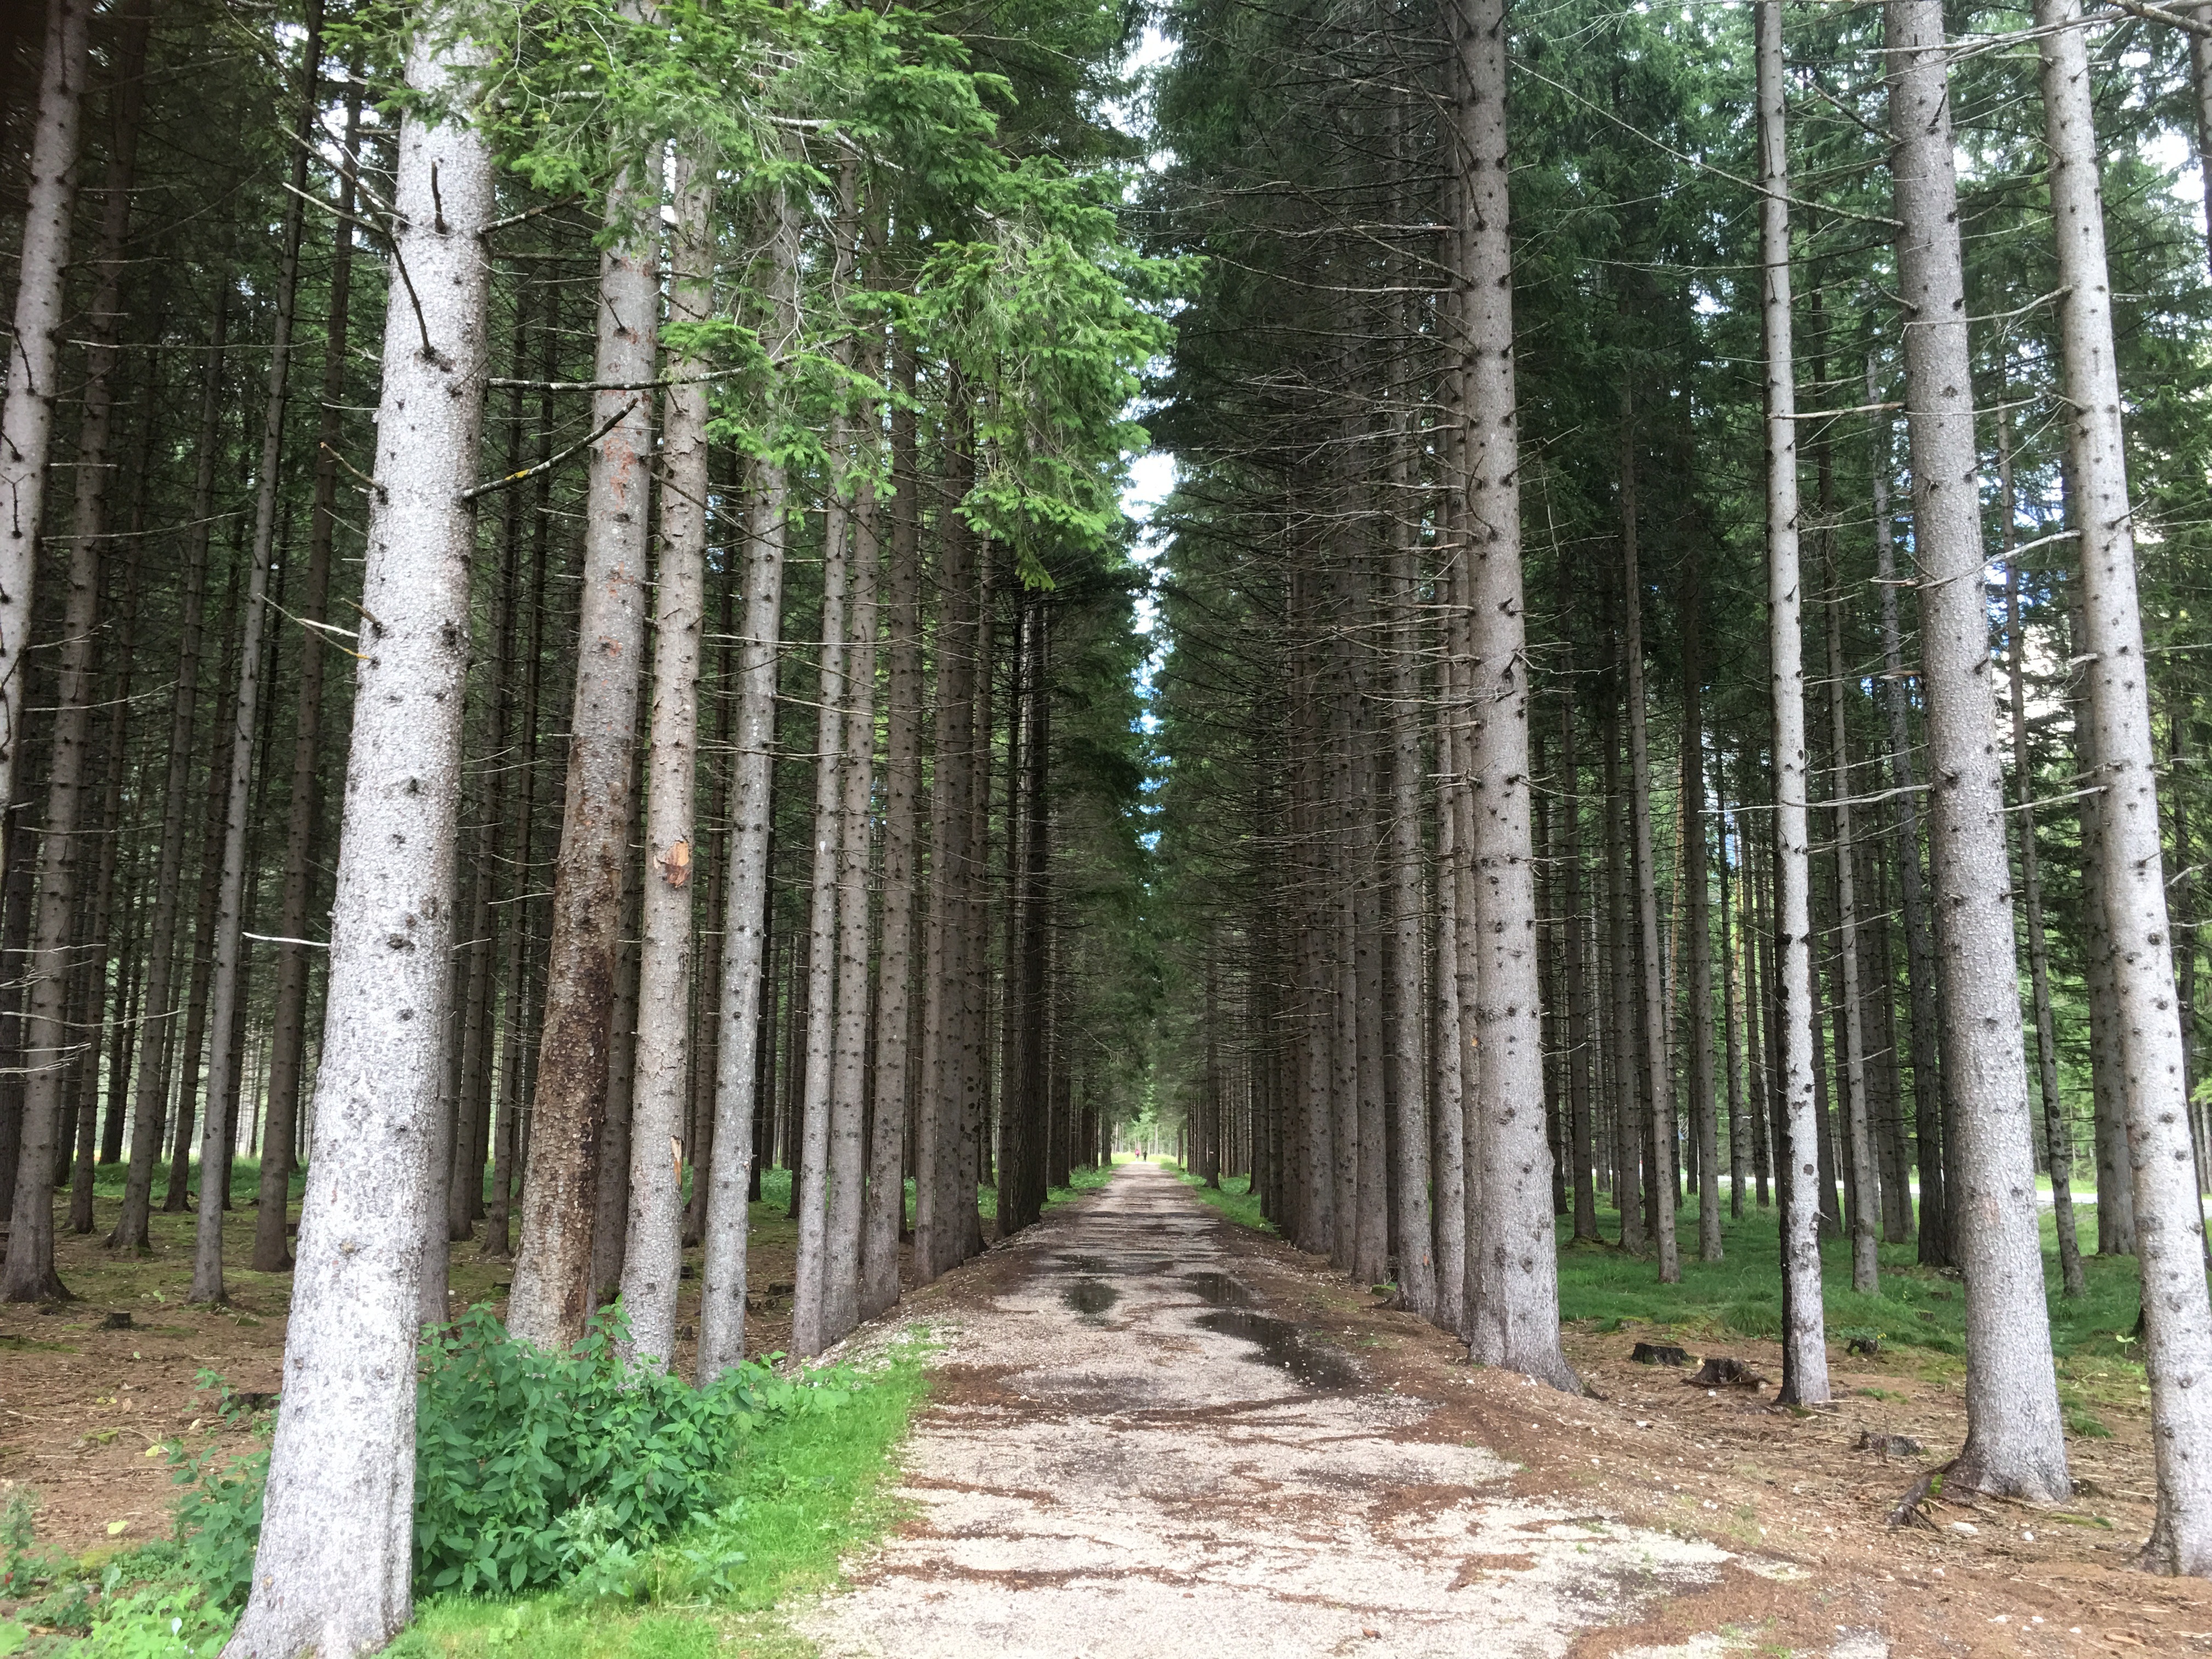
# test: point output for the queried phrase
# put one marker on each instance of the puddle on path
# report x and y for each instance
(1281, 1345)
(1217, 1290)
(1091, 1297)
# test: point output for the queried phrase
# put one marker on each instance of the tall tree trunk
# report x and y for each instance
(89, 522)
(2015, 1443)
(176, 1197)
(2058, 1135)
(652, 1262)
(2169, 1219)
(551, 1296)
(476, 971)
(514, 1050)
(1852, 1074)
(886, 1198)
(149, 1111)
(943, 1189)
(1665, 1191)
(1513, 1312)
(1626, 1025)
(1928, 1089)
(218, 1131)
(1581, 1039)
(333, 1566)
(1804, 1351)
(722, 1276)
(848, 1154)
(26, 416)
(1704, 1101)
(1738, 1151)
(812, 1178)
(288, 1045)
(1417, 1266)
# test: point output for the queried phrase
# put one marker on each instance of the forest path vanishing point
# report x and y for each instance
(1131, 1452)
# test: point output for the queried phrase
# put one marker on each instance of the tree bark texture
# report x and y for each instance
(332, 1569)
(551, 1298)
(2015, 1440)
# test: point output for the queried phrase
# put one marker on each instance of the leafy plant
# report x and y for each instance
(167, 1621)
(219, 1519)
(531, 1468)
(19, 1568)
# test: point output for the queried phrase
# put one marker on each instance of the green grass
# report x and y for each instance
(1234, 1197)
(1741, 1294)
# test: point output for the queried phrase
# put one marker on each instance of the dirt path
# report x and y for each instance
(1134, 1453)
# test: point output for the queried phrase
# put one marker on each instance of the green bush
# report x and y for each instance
(531, 1468)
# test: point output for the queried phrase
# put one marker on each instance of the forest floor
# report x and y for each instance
(1154, 1430)
(1153, 1426)
(87, 1399)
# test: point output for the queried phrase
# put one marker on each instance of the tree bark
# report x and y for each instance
(1704, 1101)
(149, 1111)
(653, 1260)
(288, 1046)
(218, 1130)
(2015, 1440)
(2169, 1220)
(551, 1298)
(886, 1198)
(1851, 1075)
(1804, 1356)
(1417, 1264)
(849, 1152)
(2058, 1135)
(332, 1569)
(1928, 1092)
(1513, 1312)
(722, 1276)
(1664, 1191)
(812, 1178)
(26, 415)
(1581, 1039)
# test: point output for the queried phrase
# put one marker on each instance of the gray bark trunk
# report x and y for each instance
(1805, 1356)
(2058, 1135)
(722, 1276)
(849, 1153)
(26, 416)
(2014, 1441)
(1919, 944)
(886, 1200)
(217, 1132)
(1703, 1105)
(2169, 1222)
(331, 1571)
(149, 1109)
(1514, 1293)
(1852, 1073)
(1663, 1190)
(653, 1260)
(1417, 1265)
(812, 1178)
(288, 1050)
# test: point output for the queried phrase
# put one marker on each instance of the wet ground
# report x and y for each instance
(1139, 1449)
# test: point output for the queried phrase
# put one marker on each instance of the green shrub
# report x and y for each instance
(167, 1621)
(531, 1468)
(511, 1441)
